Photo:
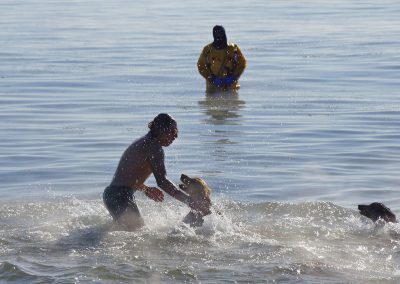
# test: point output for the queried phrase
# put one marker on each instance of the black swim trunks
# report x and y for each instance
(119, 199)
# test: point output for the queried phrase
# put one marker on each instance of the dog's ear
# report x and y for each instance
(389, 216)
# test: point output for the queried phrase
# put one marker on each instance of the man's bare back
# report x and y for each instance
(135, 165)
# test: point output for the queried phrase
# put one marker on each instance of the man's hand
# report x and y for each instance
(154, 193)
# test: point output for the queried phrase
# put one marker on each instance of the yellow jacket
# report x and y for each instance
(221, 63)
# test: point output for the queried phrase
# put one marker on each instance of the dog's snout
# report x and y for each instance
(184, 177)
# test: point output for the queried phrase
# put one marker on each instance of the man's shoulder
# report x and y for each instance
(154, 146)
(208, 47)
(232, 45)
(145, 146)
(144, 142)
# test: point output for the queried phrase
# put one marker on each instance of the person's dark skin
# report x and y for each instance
(220, 40)
(144, 157)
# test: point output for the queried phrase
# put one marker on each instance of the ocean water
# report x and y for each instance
(313, 132)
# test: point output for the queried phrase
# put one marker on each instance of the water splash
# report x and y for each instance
(271, 239)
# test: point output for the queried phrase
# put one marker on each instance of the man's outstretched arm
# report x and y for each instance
(160, 174)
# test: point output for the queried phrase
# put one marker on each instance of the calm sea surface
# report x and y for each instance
(313, 132)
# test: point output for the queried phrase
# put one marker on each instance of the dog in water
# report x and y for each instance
(200, 193)
(377, 212)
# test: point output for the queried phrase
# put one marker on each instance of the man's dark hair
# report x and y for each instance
(161, 123)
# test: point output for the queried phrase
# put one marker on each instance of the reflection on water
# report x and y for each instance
(222, 108)
(223, 115)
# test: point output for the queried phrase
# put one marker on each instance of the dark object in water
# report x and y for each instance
(377, 211)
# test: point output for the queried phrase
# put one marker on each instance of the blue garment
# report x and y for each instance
(229, 80)
(217, 81)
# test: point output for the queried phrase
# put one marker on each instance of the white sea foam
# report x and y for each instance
(296, 240)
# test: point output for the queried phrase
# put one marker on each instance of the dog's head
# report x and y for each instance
(196, 187)
(377, 211)
(198, 191)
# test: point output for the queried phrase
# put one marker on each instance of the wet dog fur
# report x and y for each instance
(199, 192)
(377, 212)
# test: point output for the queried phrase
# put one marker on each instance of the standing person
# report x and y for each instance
(143, 157)
(221, 63)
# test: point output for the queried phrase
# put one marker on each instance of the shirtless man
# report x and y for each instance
(142, 158)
